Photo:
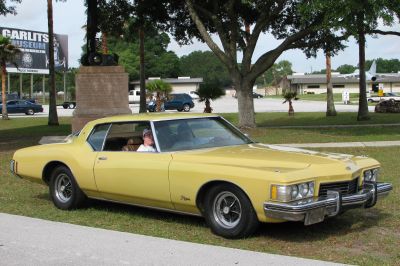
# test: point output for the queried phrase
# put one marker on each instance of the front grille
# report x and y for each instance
(346, 188)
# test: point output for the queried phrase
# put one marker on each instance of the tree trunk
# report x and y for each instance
(245, 104)
(104, 46)
(363, 113)
(158, 102)
(291, 110)
(4, 114)
(208, 108)
(142, 107)
(53, 118)
(330, 104)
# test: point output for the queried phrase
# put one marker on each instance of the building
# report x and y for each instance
(179, 85)
(316, 83)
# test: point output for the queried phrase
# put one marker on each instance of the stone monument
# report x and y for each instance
(101, 85)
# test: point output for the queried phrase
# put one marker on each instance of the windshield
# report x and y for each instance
(197, 133)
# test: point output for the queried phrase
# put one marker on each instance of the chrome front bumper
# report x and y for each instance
(314, 210)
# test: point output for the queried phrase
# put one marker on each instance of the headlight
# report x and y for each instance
(371, 175)
(292, 192)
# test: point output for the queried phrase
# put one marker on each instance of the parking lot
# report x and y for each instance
(229, 104)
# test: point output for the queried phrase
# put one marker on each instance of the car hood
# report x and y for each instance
(267, 157)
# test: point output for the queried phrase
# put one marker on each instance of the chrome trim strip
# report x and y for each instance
(155, 136)
(147, 207)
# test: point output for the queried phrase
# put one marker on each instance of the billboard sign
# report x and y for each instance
(34, 46)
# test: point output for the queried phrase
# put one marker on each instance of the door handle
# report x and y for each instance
(102, 158)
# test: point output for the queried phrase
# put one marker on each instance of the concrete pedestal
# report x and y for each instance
(100, 91)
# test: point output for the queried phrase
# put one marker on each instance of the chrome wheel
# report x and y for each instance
(186, 108)
(63, 188)
(227, 210)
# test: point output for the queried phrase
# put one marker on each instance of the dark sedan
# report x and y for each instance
(176, 101)
(22, 106)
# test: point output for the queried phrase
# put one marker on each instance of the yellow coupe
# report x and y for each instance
(202, 165)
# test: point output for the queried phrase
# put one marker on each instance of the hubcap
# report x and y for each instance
(63, 188)
(227, 210)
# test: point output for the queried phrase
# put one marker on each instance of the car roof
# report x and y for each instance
(148, 117)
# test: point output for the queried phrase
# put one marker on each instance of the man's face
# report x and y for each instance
(148, 139)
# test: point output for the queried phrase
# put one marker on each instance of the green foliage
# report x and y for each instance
(346, 69)
(205, 65)
(7, 9)
(289, 96)
(8, 51)
(210, 90)
(159, 61)
(159, 86)
(385, 65)
(273, 75)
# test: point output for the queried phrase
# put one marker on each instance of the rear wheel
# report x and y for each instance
(186, 107)
(229, 212)
(29, 112)
(64, 190)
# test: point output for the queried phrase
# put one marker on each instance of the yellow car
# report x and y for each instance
(200, 165)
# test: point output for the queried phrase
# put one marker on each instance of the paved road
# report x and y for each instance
(229, 104)
(29, 241)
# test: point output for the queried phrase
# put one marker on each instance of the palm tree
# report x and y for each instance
(289, 96)
(161, 88)
(8, 53)
(53, 118)
(210, 90)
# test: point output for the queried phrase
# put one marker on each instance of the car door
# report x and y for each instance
(175, 102)
(12, 107)
(130, 176)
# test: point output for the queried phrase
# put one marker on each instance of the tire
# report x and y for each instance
(238, 220)
(30, 112)
(64, 190)
(370, 101)
(71, 106)
(179, 110)
(186, 107)
(65, 105)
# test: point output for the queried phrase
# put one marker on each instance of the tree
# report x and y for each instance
(360, 18)
(210, 90)
(8, 53)
(346, 69)
(272, 76)
(238, 25)
(205, 65)
(6, 9)
(289, 96)
(53, 117)
(159, 61)
(161, 89)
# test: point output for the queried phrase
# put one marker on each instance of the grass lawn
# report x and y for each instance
(364, 237)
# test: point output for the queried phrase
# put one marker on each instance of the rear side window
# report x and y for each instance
(96, 139)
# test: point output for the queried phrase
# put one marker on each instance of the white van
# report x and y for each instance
(134, 96)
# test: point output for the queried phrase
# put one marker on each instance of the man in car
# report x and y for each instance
(148, 141)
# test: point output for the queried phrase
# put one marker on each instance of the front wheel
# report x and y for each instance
(229, 212)
(64, 190)
(30, 112)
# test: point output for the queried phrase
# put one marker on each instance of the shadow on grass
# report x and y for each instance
(352, 221)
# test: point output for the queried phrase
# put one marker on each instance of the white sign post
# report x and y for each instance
(346, 97)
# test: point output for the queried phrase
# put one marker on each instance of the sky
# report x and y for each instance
(69, 17)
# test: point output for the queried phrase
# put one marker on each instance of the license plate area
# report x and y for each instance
(314, 216)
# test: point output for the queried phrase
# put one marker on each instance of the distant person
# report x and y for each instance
(148, 142)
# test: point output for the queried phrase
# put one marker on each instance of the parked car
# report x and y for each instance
(203, 165)
(194, 95)
(22, 106)
(175, 101)
(257, 95)
(386, 96)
